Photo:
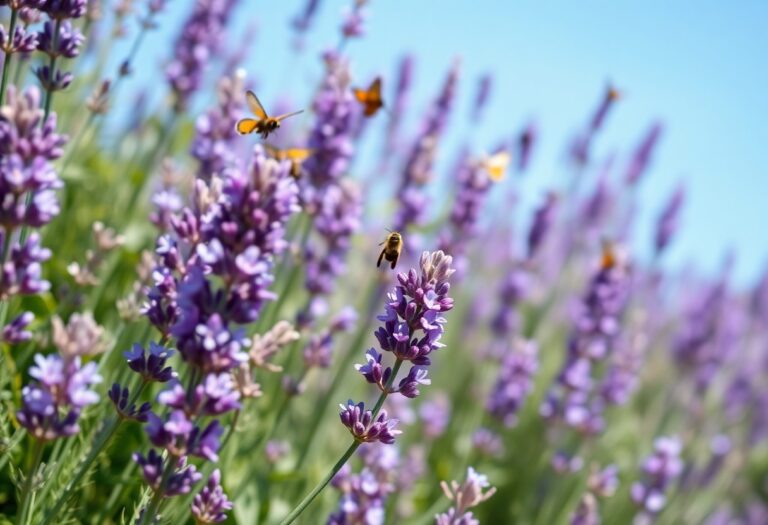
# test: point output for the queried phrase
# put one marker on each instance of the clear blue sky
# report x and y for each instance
(700, 66)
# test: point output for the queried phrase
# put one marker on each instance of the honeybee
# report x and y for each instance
(264, 124)
(297, 156)
(496, 165)
(393, 245)
(370, 98)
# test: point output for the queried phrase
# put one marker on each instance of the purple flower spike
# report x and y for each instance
(660, 470)
(667, 223)
(15, 332)
(120, 396)
(514, 383)
(409, 385)
(211, 503)
(543, 219)
(67, 43)
(150, 367)
(643, 153)
(364, 428)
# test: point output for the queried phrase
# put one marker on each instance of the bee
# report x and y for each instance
(393, 245)
(496, 165)
(370, 98)
(297, 156)
(610, 257)
(264, 124)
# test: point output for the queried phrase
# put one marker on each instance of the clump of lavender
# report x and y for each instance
(660, 470)
(213, 145)
(229, 236)
(364, 494)
(464, 496)
(418, 170)
(514, 382)
(200, 39)
(573, 398)
(334, 204)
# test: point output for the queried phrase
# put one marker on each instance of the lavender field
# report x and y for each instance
(195, 329)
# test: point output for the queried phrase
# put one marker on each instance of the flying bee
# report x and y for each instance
(264, 124)
(370, 98)
(393, 245)
(496, 165)
(297, 156)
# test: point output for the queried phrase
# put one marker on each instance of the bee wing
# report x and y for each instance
(286, 115)
(255, 105)
(381, 256)
(246, 126)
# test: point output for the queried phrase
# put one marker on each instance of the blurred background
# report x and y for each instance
(696, 67)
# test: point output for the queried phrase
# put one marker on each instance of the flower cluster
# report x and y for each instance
(514, 382)
(464, 496)
(660, 470)
(200, 39)
(364, 494)
(211, 504)
(52, 403)
(573, 399)
(59, 38)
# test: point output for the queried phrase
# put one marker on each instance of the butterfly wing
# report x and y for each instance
(246, 126)
(255, 105)
(497, 165)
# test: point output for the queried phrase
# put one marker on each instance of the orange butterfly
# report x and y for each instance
(370, 98)
(265, 124)
(297, 156)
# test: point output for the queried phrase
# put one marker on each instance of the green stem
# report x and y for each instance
(99, 444)
(8, 55)
(26, 492)
(320, 486)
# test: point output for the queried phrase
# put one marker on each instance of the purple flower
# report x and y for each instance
(150, 367)
(418, 170)
(120, 398)
(200, 39)
(51, 404)
(513, 290)
(23, 41)
(67, 43)
(660, 470)
(573, 398)
(364, 494)
(514, 382)
(302, 22)
(15, 332)
(364, 428)
(587, 512)
(525, 143)
(484, 86)
(179, 482)
(435, 415)
(543, 219)
(62, 9)
(667, 223)
(641, 158)
(413, 324)
(580, 149)
(354, 20)
(214, 143)
(211, 503)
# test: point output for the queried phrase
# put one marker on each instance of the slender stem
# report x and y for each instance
(351, 450)
(99, 444)
(8, 55)
(26, 492)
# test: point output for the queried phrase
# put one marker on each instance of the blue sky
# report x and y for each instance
(699, 66)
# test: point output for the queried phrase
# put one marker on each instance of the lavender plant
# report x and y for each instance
(186, 313)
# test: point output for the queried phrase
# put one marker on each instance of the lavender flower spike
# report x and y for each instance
(514, 383)
(364, 428)
(211, 504)
(660, 470)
